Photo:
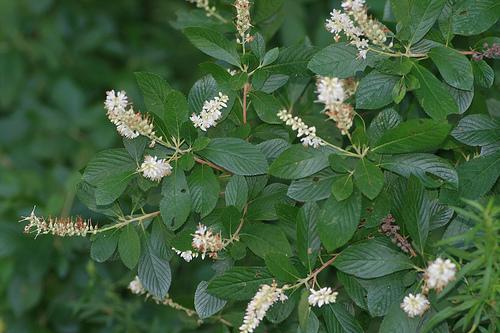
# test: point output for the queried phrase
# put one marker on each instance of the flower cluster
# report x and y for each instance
(129, 124)
(260, 304)
(67, 226)
(437, 275)
(205, 5)
(415, 305)
(357, 26)
(321, 297)
(210, 113)
(205, 242)
(391, 230)
(136, 287)
(306, 133)
(154, 168)
(333, 92)
(491, 52)
(243, 20)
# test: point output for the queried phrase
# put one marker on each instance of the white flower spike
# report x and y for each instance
(321, 297)
(210, 113)
(439, 273)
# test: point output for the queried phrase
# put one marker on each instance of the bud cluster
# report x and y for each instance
(243, 20)
(306, 133)
(205, 242)
(492, 52)
(67, 226)
(333, 92)
(357, 26)
(205, 5)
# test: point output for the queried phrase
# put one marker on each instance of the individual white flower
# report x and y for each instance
(306, 133)
(115, 101)
(210, 113)
(260, 304)
(330, 90)
(136, 286)
(439, 273)
(321, 297)
(355, 5)
(415, 305)
(186, 255)
(154, 168)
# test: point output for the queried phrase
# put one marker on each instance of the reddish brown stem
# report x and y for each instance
(320, 269)
(245, 92)
(210, 164)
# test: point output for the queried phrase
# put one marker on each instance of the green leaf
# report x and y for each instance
(375, 90)
(454, 67)
(281, 267)
(176, 112)
(338, 319)
(477, 130)
(236, 193)
(154, 90)
(463, 98)
(415, 212)
(204, 188)
(263, 208)
(368, 178)
(273, 148)
(338, 60)
(86, 194)
(270, 56)
(416, 135)
(235, 155)
(473, 17)
(213, 44)
(416, 18)
(108, 163)
(354, 289)
(308, 242)
(129, 246)
(103, 246)
(477, 176)
(110, 189)
(205, 304)
(175, 204)
(262, 238)
(154, 273)
(338, 220)
(258, 46)
(384, 121)
(282, 310)
(298, 162)
(266, 106)
(371, 259)
(424, 166)
(293, 60)
(136, 147)
(342, 187)
(239, 283)
(484, 75)
(432, 95)
(398, 321)
(313, 188)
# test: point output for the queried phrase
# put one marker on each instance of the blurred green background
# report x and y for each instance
(57, 59)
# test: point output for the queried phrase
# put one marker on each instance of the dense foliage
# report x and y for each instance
(344, 188)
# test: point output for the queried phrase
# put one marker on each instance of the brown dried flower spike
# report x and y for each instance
(65, 226)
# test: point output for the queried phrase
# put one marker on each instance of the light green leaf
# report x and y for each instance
(454, 67)
(432, 95)
(416, 135)
(371, 259)
(235, 155)
(214, 44)
(338, 220)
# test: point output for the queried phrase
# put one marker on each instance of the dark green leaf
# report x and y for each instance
(415, 212)
(175, 204)
(308, 243)
(204, 188)
(484, 75)
(129, 246)
(176, 112)
(478, 175)
(477, 130)
(235, 155)
(205, 304)
(263, 207)
(266, 106)
(338, 319)
(281, 267)
(416, 135)
(214, 44)
(375, 90)
(384, 121)
(342, 187)
(236, 193)
(103, 246)
(313, 188)
(338, 60)
(239, 283)
(108, 163)
(298, 162)
(368, 178)
(262, 238)
(338, 220)
(474, 16)
(154, 273)
(154, 90)
(454, 67)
